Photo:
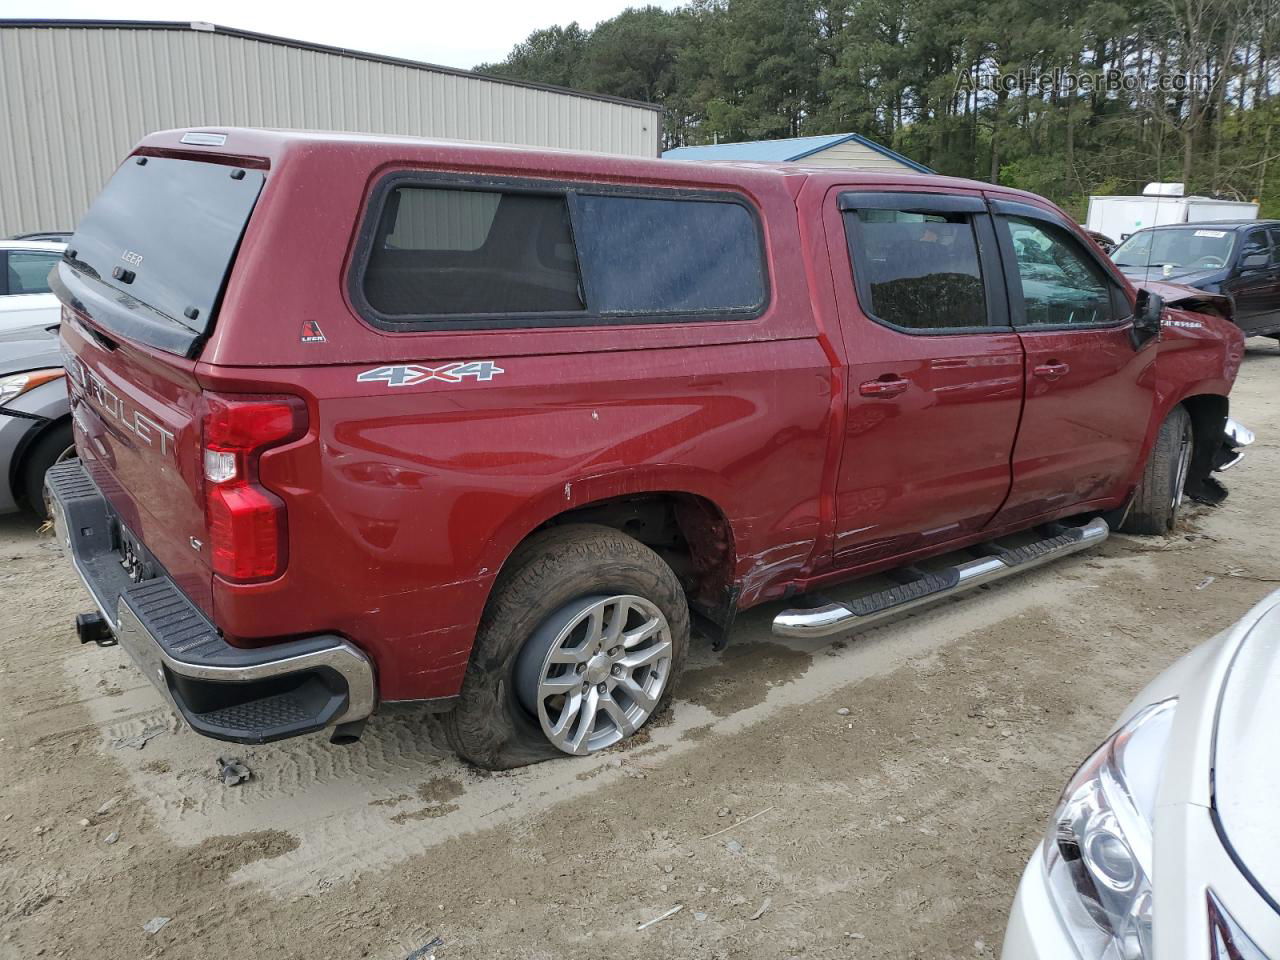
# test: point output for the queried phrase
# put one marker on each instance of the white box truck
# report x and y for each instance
(1160, 203)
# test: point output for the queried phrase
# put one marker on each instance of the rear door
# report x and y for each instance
(1088, 391)
(934, 372)
(1271, 305)
(25, 299)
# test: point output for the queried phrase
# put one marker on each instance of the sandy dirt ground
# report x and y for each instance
(781, 825)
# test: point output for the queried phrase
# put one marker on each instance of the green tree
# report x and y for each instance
(908, 72)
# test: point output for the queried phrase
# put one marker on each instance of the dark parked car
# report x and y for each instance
(1241, 260)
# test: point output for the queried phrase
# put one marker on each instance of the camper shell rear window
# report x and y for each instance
(155, 248)
(443, 252)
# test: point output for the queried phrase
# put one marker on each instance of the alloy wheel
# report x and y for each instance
(1182, 465)
(595, 671)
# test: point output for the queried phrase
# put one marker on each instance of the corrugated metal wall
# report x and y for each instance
(74, 100)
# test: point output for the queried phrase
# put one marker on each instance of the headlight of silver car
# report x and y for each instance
(1097, 852)
(15, 385)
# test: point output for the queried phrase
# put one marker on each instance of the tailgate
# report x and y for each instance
(137, 431)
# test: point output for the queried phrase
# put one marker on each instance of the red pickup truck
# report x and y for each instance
(490, 430)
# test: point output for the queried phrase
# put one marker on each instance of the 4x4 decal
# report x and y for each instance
(406, 375)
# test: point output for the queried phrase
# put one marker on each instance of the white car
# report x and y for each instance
(25, 299)
(1166, 843)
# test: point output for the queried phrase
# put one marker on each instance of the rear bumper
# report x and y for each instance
(224, 692)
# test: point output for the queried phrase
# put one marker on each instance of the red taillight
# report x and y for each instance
(247, 533)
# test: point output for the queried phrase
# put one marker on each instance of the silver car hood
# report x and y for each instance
(28, 348)
(1246, 756)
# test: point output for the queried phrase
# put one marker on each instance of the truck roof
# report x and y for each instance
(1213, 224)
(473, 156)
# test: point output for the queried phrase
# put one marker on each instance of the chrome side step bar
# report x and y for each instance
(858, 614)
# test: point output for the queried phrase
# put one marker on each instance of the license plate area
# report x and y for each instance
(134, 558)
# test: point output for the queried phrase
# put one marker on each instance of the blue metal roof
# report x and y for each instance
(783, 151)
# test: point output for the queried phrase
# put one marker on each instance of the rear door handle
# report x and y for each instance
(886, 386)
(1052, 370)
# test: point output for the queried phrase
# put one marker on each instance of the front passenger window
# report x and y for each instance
(1061, 285)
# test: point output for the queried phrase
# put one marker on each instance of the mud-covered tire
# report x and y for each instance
(49, 448)
(1159, 494)
(490, 727)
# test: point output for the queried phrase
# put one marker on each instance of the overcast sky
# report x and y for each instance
(456, 33)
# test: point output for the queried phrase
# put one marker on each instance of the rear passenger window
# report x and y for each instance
(920, 271)
(650, 255)
(546, 254)
(1274, 232)
(467, 252)
(29, 271)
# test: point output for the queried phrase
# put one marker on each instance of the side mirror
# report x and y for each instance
(1147, 311)
(1253, 261)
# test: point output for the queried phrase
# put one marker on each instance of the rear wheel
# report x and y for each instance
(54, 446)
(579, 646)
(1159, 494)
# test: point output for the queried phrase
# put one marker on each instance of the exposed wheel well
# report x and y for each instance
(17, 463)
(1208, 419)
(690, 533)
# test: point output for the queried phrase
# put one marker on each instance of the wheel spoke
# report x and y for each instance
(621, 610)
(637, 693)
(570, 654)
(561, 684)
(595, 626)
(642, 632)
(614, 709)
(572, 706)
(586, 720)
(648, 656)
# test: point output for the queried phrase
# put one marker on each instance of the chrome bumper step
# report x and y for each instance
(833, 618)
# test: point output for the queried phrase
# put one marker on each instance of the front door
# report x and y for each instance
(1089, 392)
(934, 376)
(1254, 285)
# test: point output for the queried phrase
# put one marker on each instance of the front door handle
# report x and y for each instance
(1052, 370)
(886, 386)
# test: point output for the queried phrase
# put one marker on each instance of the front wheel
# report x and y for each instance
(1159, 495)
(579, 646)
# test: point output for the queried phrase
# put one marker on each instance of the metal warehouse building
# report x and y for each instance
(75, 96)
